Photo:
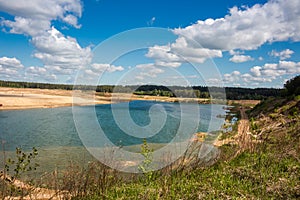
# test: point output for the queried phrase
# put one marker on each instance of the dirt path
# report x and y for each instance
(242, 138)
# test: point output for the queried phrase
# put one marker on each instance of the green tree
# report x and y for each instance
(292, 86)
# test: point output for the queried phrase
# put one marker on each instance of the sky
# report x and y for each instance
(237, 43)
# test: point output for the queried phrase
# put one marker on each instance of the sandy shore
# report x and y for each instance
(27, 98)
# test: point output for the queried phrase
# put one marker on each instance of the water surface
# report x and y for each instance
(53, 132)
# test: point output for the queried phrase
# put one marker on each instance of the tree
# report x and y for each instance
(292, 86)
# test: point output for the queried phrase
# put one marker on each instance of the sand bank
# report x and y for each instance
(27, 98)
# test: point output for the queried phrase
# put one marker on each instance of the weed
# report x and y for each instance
(23, 162)
(145, 166)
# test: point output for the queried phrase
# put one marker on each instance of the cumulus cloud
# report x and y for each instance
(94, 71)
(247, 28)
(54, 49)
(150, 69)
(248, 78)
(285, 54)
(276, 69)
(256, 71)
(14, 63)
(180, 52)
(10, 68)
(232, 77)
(60, 54)
(163, 54)
(38, 14)
(7, 73)
(100, 68)
(33, 72)
(240, 58)
(27, 26)
(265, 73)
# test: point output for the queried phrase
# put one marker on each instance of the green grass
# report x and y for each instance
(266, 173)
(249, 175)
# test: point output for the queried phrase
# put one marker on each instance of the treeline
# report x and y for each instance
(158, 90)
(15, 84)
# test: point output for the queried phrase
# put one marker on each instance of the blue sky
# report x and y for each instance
(231, 43)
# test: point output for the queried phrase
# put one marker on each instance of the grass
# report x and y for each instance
(268, 172)
(249, 175)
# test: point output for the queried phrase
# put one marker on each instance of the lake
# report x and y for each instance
(63, 134)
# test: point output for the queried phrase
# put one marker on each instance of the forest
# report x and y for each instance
(237, 93)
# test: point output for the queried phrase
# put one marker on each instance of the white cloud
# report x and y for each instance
(248, 78)
(285, 54)
(232, 77)
(7, 72)
(38, 14)
(33, 72)
(242, 29)
(148, 70)
(36, 70)
(213, 81)
(247, 28)
(234, 52)
(71, 19)
(163, 54)
(10, 68)
(168, 64)
(240, 58)
(180, 52)
(256, 71)
(193, 53)
(60, 54)
(54, 49)
(96, 71)
(6, 62)
(99, 68)
(266, 73)
(27, 26)
(151, 21)
(289, 66)
(276, 69)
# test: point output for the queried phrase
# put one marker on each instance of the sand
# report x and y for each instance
(27, 98)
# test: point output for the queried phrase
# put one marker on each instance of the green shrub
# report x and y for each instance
(22, 163)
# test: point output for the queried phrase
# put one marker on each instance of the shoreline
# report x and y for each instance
(29, 98)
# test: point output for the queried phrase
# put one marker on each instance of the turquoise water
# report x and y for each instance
(53, 132)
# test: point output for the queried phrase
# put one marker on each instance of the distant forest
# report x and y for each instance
(158, 90)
